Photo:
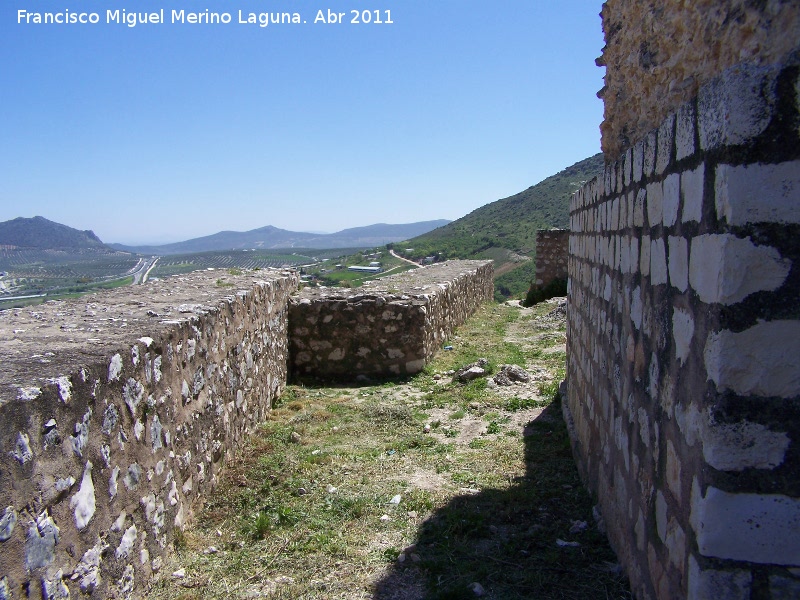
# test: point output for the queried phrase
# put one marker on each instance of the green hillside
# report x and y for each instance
(505, 230)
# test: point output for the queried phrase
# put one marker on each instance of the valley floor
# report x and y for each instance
(423, 489)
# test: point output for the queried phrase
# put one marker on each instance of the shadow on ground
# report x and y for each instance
(517, 542)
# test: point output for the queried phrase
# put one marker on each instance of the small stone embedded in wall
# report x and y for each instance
(88, 569)
(53, 588)
(114, 368)
(64, 386)
(126, 543)
(40, 543)
(133, 476)
(22, 448)
(83, 502)
(132, 393)
(7, 523)
(50, 437)
(81, 436)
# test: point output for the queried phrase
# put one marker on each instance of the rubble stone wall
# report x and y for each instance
(117, 410)
(683, 341)
(552, 249)
(391, 326)
(660, 52)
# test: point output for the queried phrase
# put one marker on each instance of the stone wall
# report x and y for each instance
(683, 342)
(659, 53)
(116, 412)
(552, 249)
(388, 327)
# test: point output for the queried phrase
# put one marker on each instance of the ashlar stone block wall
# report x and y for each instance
(660, 52)
(116, 412)
(391, 326)
(552, 249)
(684, 343)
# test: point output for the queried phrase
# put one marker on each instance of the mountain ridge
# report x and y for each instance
(38, 232)
(272, 238)
(41, 233)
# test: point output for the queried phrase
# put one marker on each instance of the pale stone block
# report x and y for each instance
(644, 259)
(636, 307)
(607, 289)
(673, 471)
(671, 199)
(757, 193)
(625, 255)
(719, 585)
(649, 161)
(665, 138)
(634, 254)
(759, 528)
(736, 107)
(692, 191)
(628, 166)
(631, 203)
(726, 269)
(638, 160)
(684, 131)
(638, 208)
(760, 361)
(615, 214)
(743, 445)
(655, 210)
(658, 263)
(678, 262)
(682, 333)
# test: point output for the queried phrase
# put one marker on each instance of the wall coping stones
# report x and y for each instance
(44, 344)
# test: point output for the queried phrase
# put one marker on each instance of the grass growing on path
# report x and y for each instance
(413, 490)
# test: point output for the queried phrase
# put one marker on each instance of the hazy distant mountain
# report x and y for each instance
(271, 237)
(38, 232)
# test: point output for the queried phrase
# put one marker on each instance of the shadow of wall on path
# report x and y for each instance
(506, 540)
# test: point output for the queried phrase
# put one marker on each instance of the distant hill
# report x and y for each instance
(505, 230)
(269, 237)
(39, 232)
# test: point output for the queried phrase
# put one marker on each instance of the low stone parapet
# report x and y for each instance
(388, 327)
(116, 411)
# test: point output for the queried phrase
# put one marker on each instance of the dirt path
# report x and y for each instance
(419, 490)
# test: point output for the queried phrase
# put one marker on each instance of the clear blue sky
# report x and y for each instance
(163, 132)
